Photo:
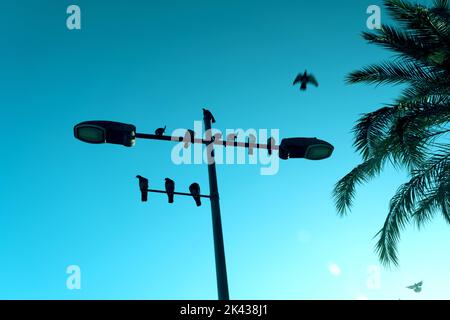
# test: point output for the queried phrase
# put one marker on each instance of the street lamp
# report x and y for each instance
(125, 134)
(98, 132)
(308, 148)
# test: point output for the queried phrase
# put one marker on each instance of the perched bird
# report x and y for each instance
(270, 144)
(170, 189)
(195, 191)
(304, 79)
(143, 186)
(251, 143)
(417, 287)
(208, 115)
(217, 136)
(160, 131)
(232, 137)
(189, 137)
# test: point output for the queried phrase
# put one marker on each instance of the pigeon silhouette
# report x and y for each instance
(232, 137)
(304, 79)
(160, 131)
(189, 137)
(208, 115)
(217, 136)
(417, 287)
(251, 143)
(195, 191)
(270, 144)
(143, 186)
(170, 189)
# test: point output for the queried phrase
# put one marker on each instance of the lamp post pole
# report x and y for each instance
(219, 249)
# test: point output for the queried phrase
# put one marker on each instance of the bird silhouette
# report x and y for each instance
(232, 137)
(217, 136)
(160, 131)
(208, 115)
(417, 287)
(170, 189)
(143, 186)
(195, 191)
(189, 138)
(251, 143)
(305, 79)
(270, 144)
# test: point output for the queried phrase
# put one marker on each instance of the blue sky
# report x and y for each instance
(155, 63)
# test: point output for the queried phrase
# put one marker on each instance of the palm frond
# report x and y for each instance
(402, 43)
(403, 204)
(438, 196)
(394, 73)
(371, 128)
(344, 191)
(428, 114)
(389, 235)
(445, 206)
(418, 19)
(408, 142)
(441, 4)
(403, 11)
(426, 208)
(422, 94)
(434, 201)
(408, 101)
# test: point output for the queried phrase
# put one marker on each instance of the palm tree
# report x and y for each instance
(411, 133)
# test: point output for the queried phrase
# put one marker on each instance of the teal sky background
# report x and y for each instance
(155, 63)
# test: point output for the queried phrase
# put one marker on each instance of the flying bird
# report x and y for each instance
(195, 191)
(143, 186)
(160, 131)
(305, 79)
(170, 189)
(208, 115)
(189, 137)
(417, 287)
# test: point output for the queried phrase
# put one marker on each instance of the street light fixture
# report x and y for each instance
(98, 132)
(308, 148)
(125, 134)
